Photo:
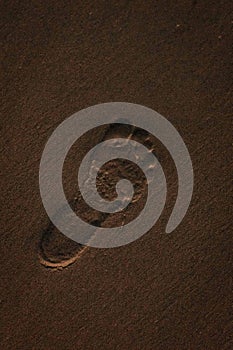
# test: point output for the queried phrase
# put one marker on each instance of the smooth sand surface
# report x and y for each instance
(163, 291)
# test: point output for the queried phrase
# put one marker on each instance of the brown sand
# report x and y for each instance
(162, 291)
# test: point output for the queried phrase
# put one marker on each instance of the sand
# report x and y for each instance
(163, 291)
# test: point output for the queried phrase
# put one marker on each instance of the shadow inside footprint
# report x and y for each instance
(57, 250)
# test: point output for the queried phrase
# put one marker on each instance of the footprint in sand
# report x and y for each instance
(56, 251)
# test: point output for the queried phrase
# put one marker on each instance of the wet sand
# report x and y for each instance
(163, 291)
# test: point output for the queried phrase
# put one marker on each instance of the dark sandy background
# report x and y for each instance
(162, 291)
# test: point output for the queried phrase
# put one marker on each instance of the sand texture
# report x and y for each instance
(163, 291)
